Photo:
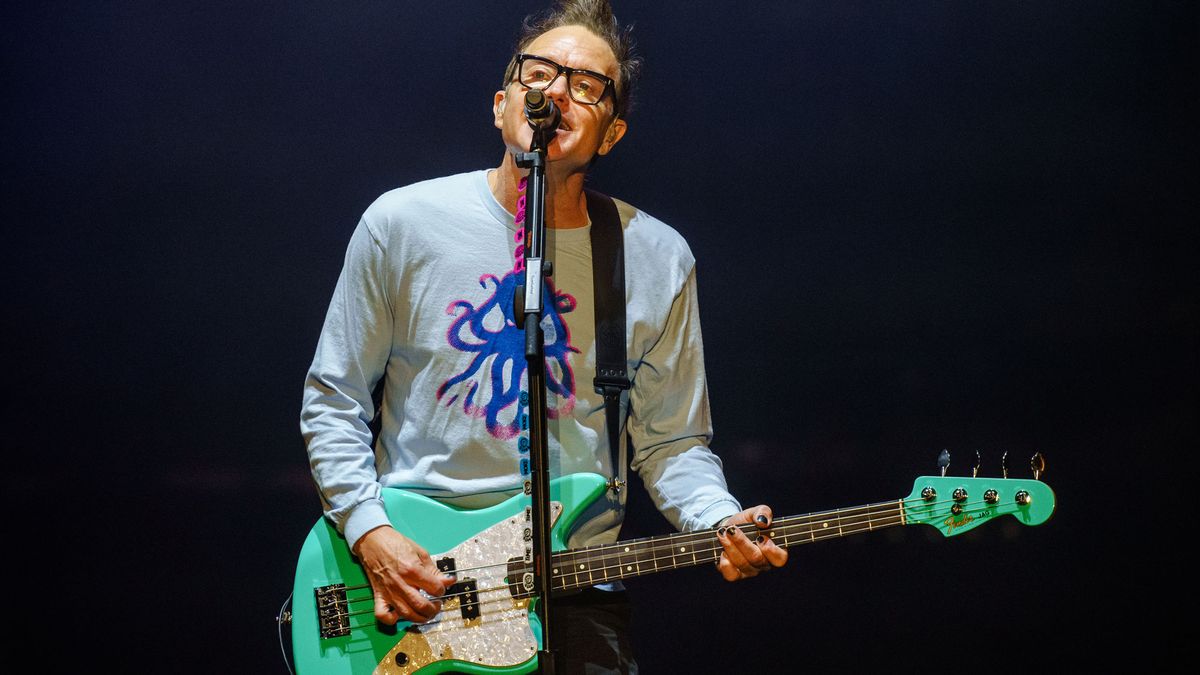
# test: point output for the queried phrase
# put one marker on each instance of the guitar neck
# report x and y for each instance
(584, 567)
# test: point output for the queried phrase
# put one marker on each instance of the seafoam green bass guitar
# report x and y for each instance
(487, 624)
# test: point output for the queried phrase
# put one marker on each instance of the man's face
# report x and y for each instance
(585, 129)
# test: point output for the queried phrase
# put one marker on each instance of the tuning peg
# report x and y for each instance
(978, 461)
(1004, 464)
(1038, 464)
(944, 461)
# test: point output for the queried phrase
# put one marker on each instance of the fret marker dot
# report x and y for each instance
(629, 568)
(683, 549)
(824, 524)
(627, 549)
(583, 567)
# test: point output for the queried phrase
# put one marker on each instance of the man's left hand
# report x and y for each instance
(744, 557)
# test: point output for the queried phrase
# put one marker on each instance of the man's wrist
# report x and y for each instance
(363, 537)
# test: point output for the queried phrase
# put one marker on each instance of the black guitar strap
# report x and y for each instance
(608, 289)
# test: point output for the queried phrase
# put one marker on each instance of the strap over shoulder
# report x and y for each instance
(608, 287)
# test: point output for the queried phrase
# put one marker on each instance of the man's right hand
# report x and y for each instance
(399, 570)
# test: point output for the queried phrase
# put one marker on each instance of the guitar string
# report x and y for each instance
(784, 528)
(847, 515)
(688, 537)
(910, 505)
(800, 527)
(674, 540)
(508, 598)
(706, 554)
(710, 554)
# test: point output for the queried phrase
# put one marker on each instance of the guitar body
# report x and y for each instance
(334, 631)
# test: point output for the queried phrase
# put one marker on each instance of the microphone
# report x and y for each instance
(541, 112)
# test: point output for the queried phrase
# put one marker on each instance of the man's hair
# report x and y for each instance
(597, 17)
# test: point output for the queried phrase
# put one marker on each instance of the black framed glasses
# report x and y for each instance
(585, 86)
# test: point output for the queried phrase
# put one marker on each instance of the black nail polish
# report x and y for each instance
(762, 519)
(761, 540)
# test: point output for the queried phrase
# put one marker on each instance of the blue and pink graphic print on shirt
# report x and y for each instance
(492, 384)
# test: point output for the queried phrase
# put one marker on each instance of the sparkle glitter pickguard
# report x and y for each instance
(501, 636)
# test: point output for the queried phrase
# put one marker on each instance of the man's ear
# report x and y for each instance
(616, 130)
(498, 109)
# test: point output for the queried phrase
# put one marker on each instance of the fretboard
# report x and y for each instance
(584, 567)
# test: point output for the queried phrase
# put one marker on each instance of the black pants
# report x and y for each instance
(589, 632)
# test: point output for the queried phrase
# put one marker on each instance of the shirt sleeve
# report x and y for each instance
(670, 425)
(351, 357)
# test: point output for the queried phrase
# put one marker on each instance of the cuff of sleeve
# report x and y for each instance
(364, 518)
(714, 514)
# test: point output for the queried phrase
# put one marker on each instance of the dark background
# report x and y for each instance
(919, 225)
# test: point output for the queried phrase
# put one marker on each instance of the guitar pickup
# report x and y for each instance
(468, 598)
(466, 590)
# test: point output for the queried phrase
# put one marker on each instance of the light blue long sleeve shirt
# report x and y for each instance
(424, 301)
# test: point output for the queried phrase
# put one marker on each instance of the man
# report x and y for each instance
(425, 302)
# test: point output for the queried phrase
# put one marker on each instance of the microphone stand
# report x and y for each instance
(528, 312)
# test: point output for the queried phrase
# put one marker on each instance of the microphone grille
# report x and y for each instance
(535, 100)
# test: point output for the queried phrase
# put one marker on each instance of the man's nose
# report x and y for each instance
(558, 90)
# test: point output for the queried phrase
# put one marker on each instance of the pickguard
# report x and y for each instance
(501, 636)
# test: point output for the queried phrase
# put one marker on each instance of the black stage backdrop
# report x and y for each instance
(919, 225)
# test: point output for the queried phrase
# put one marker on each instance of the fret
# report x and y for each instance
(557, 570)
(644, 555)
(561, 567)
(627, 562)
(600, 563)
(606, 562)
(587, 566)
(681, 550)
(574, 566)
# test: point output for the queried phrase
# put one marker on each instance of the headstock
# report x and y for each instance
(957, 504)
